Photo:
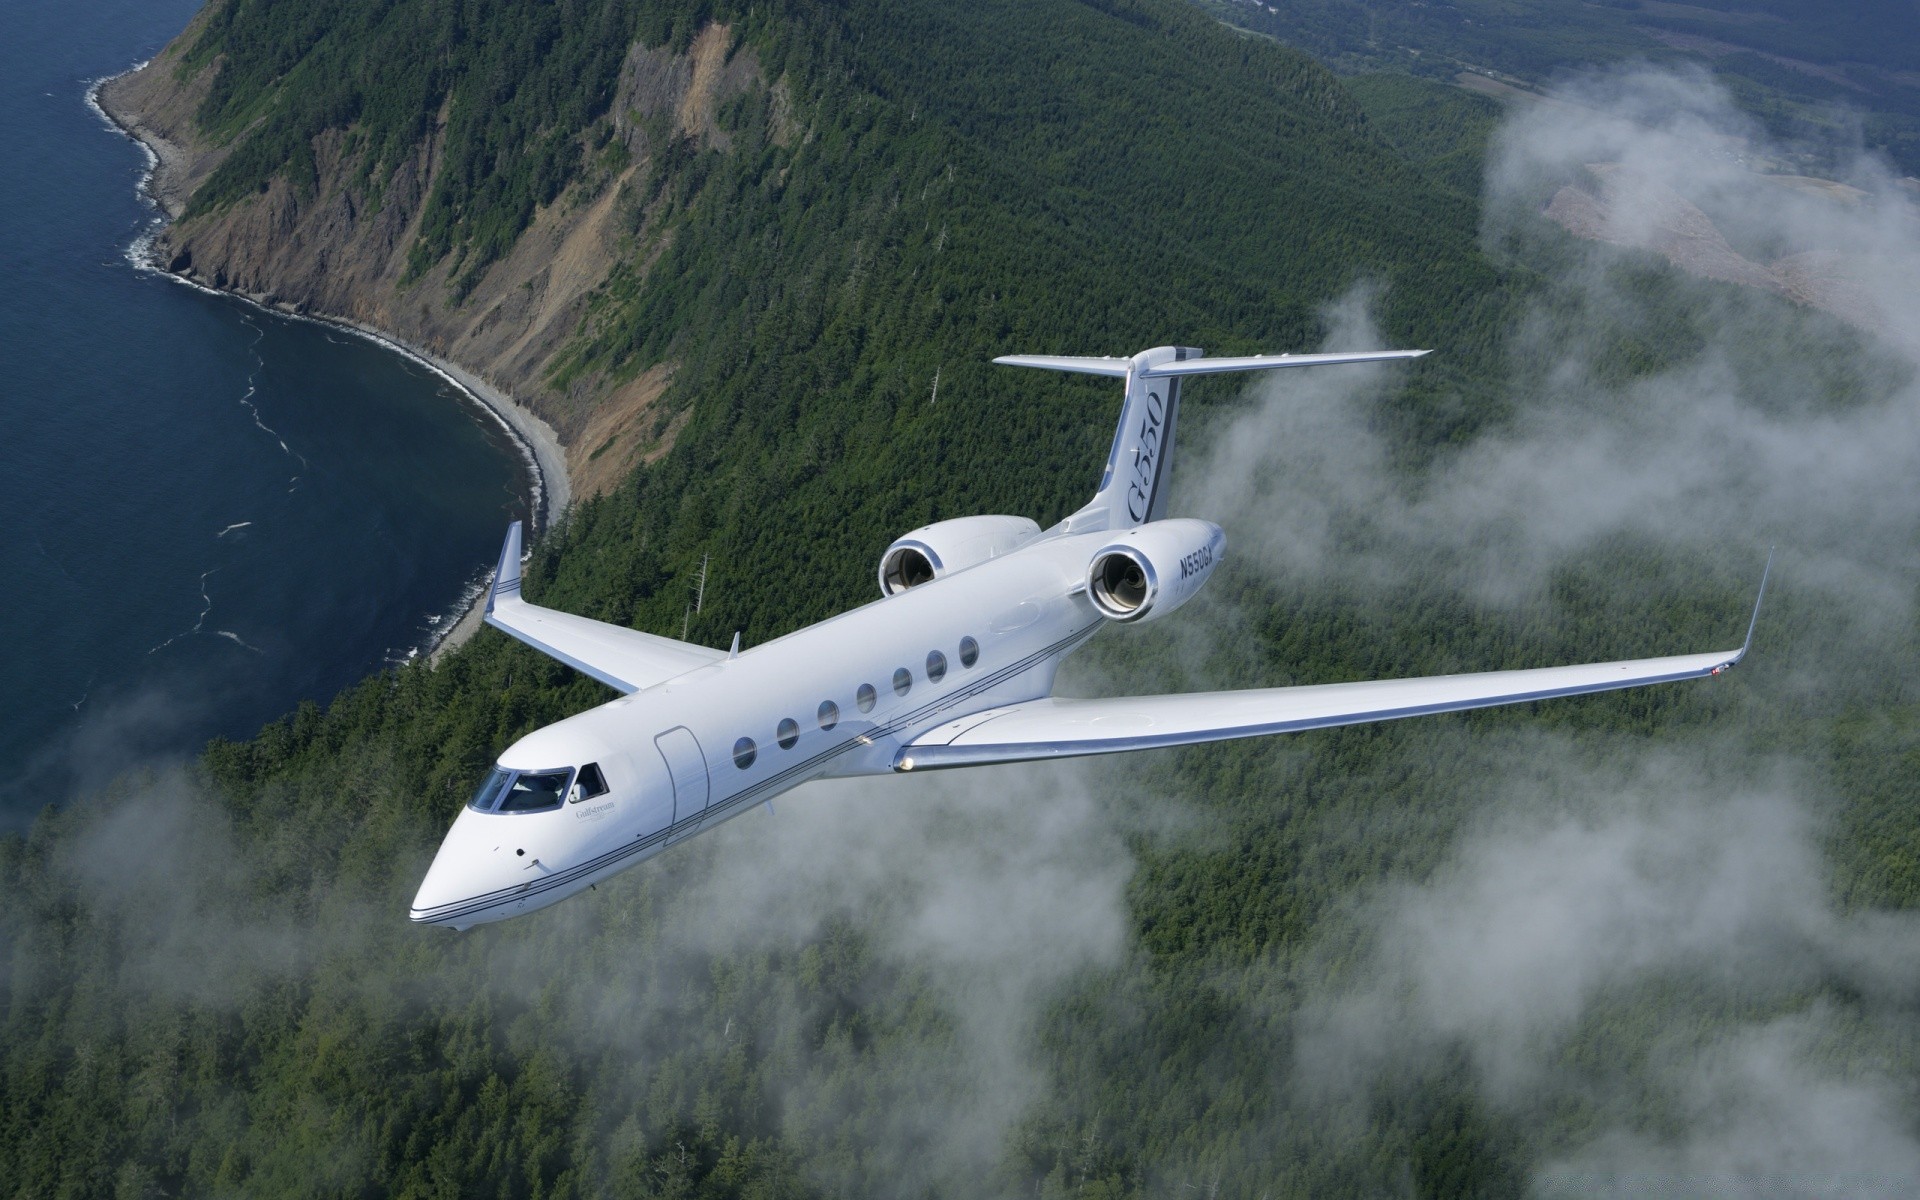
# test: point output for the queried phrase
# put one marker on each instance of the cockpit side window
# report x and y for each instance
(591, 782)
(533, 791)
(488, 793)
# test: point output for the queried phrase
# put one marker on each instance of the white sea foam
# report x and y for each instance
(229, 529)
(537, 501)
(140, 254)
(199, 623)
(519, 440)
(440, 626)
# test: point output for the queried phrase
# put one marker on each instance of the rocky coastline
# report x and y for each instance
(169, 182)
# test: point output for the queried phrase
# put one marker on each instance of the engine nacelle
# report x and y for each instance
(1147, 572)
(944, 547)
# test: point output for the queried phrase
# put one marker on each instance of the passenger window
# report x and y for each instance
(829, 714)
(743, 753)
(936, 666)
(969, 652)
(902, 682)
(589, 783)
(788, 732)
(533, 791)
(864, 697)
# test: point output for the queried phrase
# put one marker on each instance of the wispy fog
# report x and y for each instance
(1733, 448)
(1600, 882)
(1658, 883)
(991, 889)
(969, 900)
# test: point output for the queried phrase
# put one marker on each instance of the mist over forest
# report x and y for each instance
(1658, 940)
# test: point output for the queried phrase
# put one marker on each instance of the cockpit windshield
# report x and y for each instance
(521, 791)
(488, 793)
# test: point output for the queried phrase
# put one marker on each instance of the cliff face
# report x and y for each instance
(340, 249)
(1638, 212)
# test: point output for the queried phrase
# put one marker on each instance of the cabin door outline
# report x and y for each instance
(687, 767)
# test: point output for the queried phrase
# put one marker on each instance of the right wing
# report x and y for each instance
(624, 659)
(1060, 728)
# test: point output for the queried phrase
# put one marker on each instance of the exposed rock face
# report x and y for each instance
(1647, 215)
(1643, 214)
(158, 109)
(338, 253)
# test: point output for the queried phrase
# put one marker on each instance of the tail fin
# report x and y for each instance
(1135, 486)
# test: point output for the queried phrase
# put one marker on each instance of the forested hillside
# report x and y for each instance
(1456, 956)
(1817, 75)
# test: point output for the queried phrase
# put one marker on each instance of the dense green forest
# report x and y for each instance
(1817, 76)
(1284, 967)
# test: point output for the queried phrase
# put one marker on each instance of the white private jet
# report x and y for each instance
(952, 667)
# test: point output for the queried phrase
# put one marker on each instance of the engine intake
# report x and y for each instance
(907, 564)
(1151, 570)
(1121, 582)
(940, 549)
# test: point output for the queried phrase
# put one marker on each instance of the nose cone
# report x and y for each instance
(480, 868)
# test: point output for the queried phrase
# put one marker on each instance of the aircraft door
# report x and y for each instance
(688, 767)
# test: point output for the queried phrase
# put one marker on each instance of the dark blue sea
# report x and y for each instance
(212, 513)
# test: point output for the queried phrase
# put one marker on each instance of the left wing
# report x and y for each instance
(624, 659)
(1057, 728)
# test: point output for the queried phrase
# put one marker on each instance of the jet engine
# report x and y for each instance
(937, 550)
(1147, 572)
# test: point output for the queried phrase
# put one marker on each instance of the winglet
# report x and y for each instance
(506, 576)
(1768, 570)
(735, 652)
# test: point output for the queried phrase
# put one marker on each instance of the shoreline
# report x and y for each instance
(539, 447)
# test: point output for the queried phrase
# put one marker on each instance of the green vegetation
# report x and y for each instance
(518, 85)
(209, 986)
(1441, 128)
(1802, 68)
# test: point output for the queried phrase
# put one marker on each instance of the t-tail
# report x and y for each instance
(1134, 488)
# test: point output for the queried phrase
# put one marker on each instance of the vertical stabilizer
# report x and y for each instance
(1134, 488)
(1137, 481)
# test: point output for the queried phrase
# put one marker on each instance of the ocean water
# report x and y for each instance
(213, 513)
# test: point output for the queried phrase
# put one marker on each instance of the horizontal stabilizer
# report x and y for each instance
(1058, 362)
(1263, 362)
(1199, 366)
(626, 660)
(1061, 728)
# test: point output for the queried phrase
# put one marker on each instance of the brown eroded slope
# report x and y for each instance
(1630, 210)
(342, 253)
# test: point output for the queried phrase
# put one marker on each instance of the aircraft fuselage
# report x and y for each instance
(838, 698)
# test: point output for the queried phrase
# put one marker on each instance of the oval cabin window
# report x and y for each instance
(829, 714)
(743, 753)
(936, 666)
(865, 697)
(969, 652)
(788, 732)
(902, 682)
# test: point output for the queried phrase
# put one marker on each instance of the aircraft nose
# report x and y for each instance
(472, 865)
(442, 888)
